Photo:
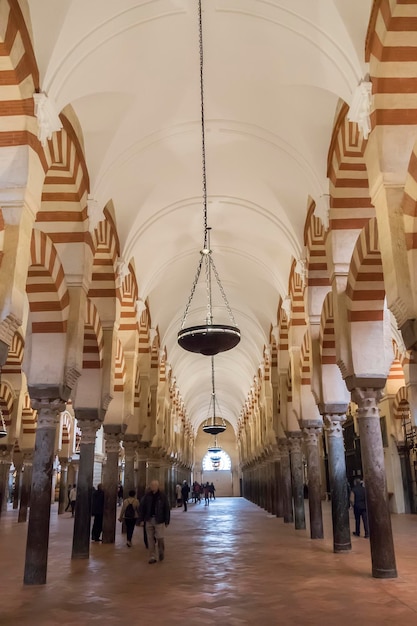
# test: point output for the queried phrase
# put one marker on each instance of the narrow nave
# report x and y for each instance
(228, 564)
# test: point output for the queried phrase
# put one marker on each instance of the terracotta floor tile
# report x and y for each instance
(230, 564)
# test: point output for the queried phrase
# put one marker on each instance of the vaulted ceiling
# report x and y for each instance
(274, 73)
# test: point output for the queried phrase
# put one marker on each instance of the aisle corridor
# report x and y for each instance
(228, 564)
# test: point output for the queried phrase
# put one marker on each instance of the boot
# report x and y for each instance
(161, 547)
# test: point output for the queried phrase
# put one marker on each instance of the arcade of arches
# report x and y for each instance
(311, 117)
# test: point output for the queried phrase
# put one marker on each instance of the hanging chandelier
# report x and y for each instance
(208, 338)
(214, 449)
(213, 425)
(3, 431)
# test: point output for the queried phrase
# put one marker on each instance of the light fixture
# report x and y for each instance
(215, 448)
(208, 338)
(213, 425)
(3, 431)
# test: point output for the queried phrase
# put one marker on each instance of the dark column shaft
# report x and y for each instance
(338, 483)
(380, 531)
(4, 479)
(278, 489)
(286, 482)
(26, 487)
(63, 486)
(110, 481)
(18, 485)
(82, 522)
(296, 457)
(40, 497)
(314, 492)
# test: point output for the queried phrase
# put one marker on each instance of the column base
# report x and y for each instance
(342, 547)
(384, 573)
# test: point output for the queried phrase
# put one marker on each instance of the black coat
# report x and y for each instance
(162, 509)
(98, 502)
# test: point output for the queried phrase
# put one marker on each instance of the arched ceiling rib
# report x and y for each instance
(274, 72)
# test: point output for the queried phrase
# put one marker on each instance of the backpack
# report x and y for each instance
(130, 511)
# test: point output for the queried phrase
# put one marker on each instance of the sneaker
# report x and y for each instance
(151, 561)
(129, 544)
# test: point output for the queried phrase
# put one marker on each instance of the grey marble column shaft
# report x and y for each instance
(338, 482)
(279, 489)
(372, 451)
(18, 484)
(130, 444)
(297, 478)
(82, 522)
(26, 487)
(63, 485)
(311, 434)
(112, 437)
(286, 481)
(40, 498)
(5, 463)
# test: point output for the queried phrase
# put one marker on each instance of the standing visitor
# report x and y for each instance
(97, 510)
(185, 492)
(358, 498)
(73, 497)
(178, 494)
(155, 512)
(129, 514)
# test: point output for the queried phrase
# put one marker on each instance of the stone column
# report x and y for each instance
(279, 489)
(112, 436)
(286, 481)
(141, 471)
(88, 421)
(26, 486)
(372, 451)
(338, 481)
(63, 485)
(18, 464)
(312, 431)
(130, 444)
(36, 562)
(297, 478)
(5, 463)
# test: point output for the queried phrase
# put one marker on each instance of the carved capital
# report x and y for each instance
(367, 400)
(311, 435)
(283, 446)
(89, 428)
(333, 424)
(63, 461)
(295, 441)
(48, 411)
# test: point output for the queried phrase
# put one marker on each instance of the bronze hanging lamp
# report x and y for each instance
(213, 425)
(208, 338)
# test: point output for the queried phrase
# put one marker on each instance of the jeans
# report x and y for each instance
(130, 527)
(361, 513)
(155, 533)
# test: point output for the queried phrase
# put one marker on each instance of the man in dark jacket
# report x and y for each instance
(185, 492)
(155, 512)
(358, 496)
(97, 511)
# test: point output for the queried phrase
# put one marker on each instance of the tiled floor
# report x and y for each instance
(226, 564)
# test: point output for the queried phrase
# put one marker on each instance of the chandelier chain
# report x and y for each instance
(197, 276)
(203, 132)
(229, 310)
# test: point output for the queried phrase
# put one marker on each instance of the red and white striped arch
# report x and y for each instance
(350, 202)
(305, 360)
(119, 368)
(93, 338)
(46, 287)
(6, 402)
(103, 280)
(13, 364)
(401, 403)
(315, 241)
(129, 297)
(365, 289)
(1, 236)
(327, 332)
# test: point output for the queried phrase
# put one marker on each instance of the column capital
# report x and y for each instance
(359, 382)
(333, 424)
(283, 445)
(312, 434)
(130, 445)
(367, 399)
(334, 408)
(63, 461)
(89, 428)
(294, 440)
(48, 409)
(113, 434)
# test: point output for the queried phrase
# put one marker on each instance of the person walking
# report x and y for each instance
(129, 514)
(97, 510)
(212, 490)
(154, 511)
(358, 499)
(206, 494)
(178, 494)
(73, 498)
(185, 492)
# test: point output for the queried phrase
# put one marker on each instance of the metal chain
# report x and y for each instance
(229, 310)
(197, 276)
(203, 132)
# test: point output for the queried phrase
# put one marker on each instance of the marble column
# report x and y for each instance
(312, 431)
(36, 562)
(297, 478)
(26, 486)
(338, 481)
(141, 471)
(112, 435)
(63, 485)
(88, 420)
(130, 444)
(18, 464)
(278, 489)
(286, 481)
(372, 451)
(5, 464)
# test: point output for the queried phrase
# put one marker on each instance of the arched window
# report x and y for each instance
(224, 463)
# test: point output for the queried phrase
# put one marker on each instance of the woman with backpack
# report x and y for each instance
(129, 515)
